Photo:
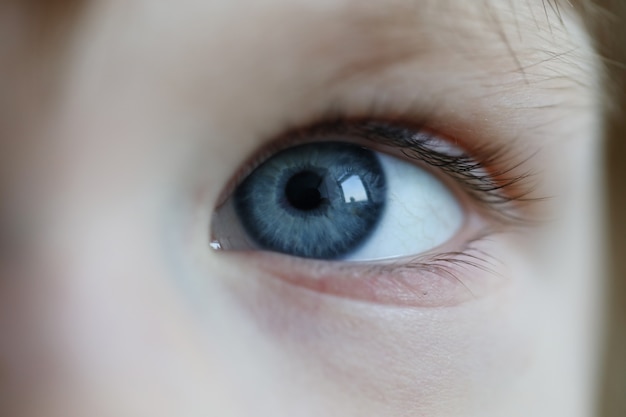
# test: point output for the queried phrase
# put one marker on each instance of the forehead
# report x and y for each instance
(332, 21)
(388, 29)
(417, 18)
(54, 10)
(228, 48)
(350, 33)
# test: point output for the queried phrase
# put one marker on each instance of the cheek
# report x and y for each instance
(369, 359)
(97, 321)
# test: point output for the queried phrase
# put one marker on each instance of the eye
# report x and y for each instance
(338, 200)
(422, 212)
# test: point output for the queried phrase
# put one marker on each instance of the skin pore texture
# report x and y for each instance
(112, 302)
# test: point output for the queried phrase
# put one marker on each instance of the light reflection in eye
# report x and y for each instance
(353, 189)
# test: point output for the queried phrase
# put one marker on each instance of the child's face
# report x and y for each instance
(127, 145)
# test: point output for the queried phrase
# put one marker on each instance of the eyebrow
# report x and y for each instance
(51, 18)
(377, 37)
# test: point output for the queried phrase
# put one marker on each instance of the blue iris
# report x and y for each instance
(319, 200)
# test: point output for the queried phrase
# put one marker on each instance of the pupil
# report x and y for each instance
(303, 191)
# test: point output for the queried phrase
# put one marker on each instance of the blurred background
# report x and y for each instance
(612, 36)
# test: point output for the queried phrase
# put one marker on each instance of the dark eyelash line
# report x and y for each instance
(487, 174)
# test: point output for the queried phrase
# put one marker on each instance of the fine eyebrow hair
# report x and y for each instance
(379, 36)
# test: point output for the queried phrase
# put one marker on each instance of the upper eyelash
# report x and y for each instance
(489, 175)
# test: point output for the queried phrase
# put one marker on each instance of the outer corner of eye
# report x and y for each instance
(337, 201)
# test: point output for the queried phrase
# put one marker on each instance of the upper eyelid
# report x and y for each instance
(494, 177)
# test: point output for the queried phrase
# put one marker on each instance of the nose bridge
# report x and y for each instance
(93, 326)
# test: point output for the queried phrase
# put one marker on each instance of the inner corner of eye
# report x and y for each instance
(337, 201)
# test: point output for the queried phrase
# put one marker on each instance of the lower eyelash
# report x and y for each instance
(434, 280)
(454, 266)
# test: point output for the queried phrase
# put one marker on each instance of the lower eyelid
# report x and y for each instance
(426, 282)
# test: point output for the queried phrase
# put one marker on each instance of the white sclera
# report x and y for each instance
(421, 214)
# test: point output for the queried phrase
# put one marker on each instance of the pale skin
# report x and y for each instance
(118, 306)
